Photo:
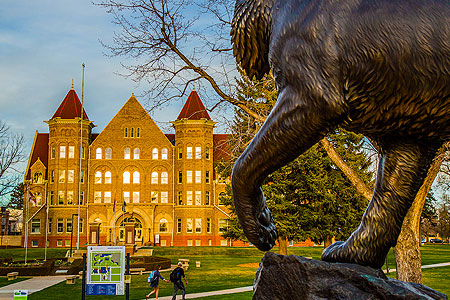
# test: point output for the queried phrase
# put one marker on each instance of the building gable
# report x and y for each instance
(39, 151)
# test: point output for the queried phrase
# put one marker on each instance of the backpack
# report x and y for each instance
(175, 275)
(152, 277)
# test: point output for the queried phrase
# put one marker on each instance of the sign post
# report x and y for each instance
(105, 270)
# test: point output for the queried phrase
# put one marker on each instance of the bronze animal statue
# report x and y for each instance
(377, 67)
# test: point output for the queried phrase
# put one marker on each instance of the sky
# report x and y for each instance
(43, 45)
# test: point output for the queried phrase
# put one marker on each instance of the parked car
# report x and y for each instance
(436, 241)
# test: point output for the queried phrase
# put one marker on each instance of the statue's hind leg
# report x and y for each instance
(402, 169)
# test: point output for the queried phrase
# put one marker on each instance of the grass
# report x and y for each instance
(224, 268)
(4, 280)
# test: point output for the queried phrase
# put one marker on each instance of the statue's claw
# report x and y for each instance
(267, 234)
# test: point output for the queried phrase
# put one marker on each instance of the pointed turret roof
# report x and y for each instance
(70, 107)
(193, 109)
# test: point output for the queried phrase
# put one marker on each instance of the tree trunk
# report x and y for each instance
(327, 242)
(407, 252)
(282, 245)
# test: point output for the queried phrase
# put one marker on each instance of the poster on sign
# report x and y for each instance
(105, 270)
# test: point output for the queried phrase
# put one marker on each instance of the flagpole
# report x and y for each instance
(114, 208)
(46, 221)
(80, 171)
(123, 220)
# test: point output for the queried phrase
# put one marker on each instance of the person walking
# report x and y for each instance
(175, 277)
(153, 278)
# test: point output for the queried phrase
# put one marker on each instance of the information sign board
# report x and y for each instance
(105, 270)
(20, 295)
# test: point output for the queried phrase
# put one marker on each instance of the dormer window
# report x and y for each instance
(37, 178)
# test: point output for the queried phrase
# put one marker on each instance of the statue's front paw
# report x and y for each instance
(267, 234)
(335, 253)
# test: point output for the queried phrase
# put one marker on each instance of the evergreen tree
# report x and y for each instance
(16, 200)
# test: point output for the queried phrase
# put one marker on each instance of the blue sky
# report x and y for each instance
(43, 44)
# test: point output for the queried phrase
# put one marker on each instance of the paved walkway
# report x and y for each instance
(32, 285)
(207, 294)
(426, 266)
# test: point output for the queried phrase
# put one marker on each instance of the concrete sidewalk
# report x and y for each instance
(207, 294)
(425, 266)
(31, 285)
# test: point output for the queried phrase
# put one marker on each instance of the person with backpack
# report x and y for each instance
(153, 278)
(175, 277)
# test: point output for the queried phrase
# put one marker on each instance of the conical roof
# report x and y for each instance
(70, 107)
(193, 109)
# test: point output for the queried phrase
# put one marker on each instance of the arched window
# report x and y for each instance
(98, 153)
(164, 153)
(155, 153)
(98, 177)
(164, 178)
(136, 176)
(37, 177)
(136, 153)
(126, 153)
(107, 177)
(163, 225)
(126, 177)
(154, 177)
(108, 153)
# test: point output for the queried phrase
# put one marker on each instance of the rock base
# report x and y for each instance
(295, 277)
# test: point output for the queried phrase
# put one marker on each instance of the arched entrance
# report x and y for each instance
(138, 229)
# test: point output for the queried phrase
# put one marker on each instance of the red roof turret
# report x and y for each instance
(70, 108)
(193, 109)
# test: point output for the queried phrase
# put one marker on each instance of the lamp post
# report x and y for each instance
(71, 235)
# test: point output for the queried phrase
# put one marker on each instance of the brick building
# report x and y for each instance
(137, 184)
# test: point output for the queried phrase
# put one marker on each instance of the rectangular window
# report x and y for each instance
(61, 197)
(207, 153)
(69, 225)
(97, 197)
(126, 197)
(198, 152)
(189, 198)
(291, 243)
(189, 225)
(49, 225)
(62, 176)
(189, 153)
(198, 198)
(53, 152)
(198, 243)
(126, 132)
(178, 225)
(108, 153)
(198, 176)
(180, 177)
(188, 176)
(81, 225)
(198, 225)
(70, 176)
(154, 197)
(180, 153)
(81, 197)
(52, 176)
(36, 226)
(189, 243)
(52, 198)
(207, 176)
(69, 197)
(34, 243)
(180, 198)
(60, 226)
(138, 132)
(107, 197)
(164, 197)
(62, 151)
(83, 151)
(82, 177)
(71, 151)
(223, 224)
(207, 198)
(132, 132)
(59, 243)
(135, 197)
(208, 225)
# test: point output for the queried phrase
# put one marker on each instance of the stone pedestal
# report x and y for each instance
(298, 278)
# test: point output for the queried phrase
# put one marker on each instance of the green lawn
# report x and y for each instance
(224, 268)
(4, 280)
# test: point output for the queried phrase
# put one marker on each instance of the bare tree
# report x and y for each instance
(11, 154)
(175, 43)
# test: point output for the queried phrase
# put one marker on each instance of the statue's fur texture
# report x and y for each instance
(377, 67)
